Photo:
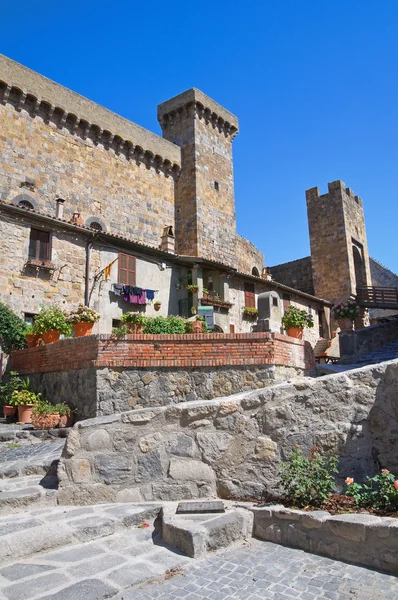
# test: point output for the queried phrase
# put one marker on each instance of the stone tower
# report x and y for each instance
(339, 248)
(205, 222)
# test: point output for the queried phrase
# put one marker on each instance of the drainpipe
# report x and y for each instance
(89, 245)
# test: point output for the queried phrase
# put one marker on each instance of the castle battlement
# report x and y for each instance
(27, 90)
(334, 187)
(173, 110)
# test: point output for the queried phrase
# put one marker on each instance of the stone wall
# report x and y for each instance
(232, 446)
(357, 343)
(361, 539)
(296, 274)
(100, 375)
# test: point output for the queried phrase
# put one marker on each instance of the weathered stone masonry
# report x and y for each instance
(101, 375)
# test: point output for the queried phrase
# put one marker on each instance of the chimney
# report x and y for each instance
(76, 219)
(266, 273)
(168, 240)
(59, 212)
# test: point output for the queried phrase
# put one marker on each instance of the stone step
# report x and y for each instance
(30, 459)
(14, 433)
(197, 535)
(101, 568)
(22, 492)
(34, 531)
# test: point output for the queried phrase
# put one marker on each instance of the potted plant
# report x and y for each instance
(44, 415)
(25, 400)
(33, 338)
(193, 288)
(50, 323)
(13, 384)
(82, 320)
(345, 313)
(249, 311)
(294, 320)
(157, 305)
(65, 415)
(134, 321)
(197, 325)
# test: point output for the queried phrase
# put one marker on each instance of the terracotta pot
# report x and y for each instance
(51, 336)
(33, 340)
(25, 413)
(65, 421)
(197, 327)
(9, 411)
(82, 329)
(295, 332)
(135, 327)
(45, 421)
(157, 306)
(345, 324)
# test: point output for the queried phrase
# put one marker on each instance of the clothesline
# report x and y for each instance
(134, 294)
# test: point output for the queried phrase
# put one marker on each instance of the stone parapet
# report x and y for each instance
(357, 343)
(362, 539)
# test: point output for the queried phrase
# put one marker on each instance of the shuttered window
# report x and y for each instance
(250, 296)
(40, 244)
(126, 269)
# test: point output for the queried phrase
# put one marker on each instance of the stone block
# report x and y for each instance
(265, 449)
(80, 470)
(150, 466)
(113, 468)
(98, 440)
(191, 470)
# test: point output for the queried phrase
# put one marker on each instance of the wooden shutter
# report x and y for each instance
(250, 296)
(126, 269)
(39, 244)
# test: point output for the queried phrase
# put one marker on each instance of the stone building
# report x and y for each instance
(88, 200)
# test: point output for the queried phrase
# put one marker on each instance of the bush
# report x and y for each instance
(308, 481)
(346, 310)
(380, 491)
(135, 318)
(14, 383)
(158, 325)
(294, 317)
(12, 330)
(52, 319)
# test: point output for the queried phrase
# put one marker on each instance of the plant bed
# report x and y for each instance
(214, 301)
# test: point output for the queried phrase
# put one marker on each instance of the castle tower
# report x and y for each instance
(339, 248)
(205, 222)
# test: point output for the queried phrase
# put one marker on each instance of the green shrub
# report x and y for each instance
(13, 383)
(52, 319)
(379, 492)
(167, 325)
(12, 330)
(135, 318)
(308, 481)
(294, 317)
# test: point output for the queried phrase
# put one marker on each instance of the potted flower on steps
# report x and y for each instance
(45, 415)
(12, 384)
(134, 321)
(294, 320)
(50, 323)
(33, 338)
(82, 320)
(345, 313)
(25, 400)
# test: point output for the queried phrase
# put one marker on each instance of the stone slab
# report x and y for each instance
(214, 506)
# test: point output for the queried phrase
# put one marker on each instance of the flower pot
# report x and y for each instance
(51, 336)
(295, 332)
(345, 324)
(33, 340)
(25, 413)
(45, 421)
(135, 327)
(65, 421)
(82, 328)
(9, 411)
(197, 327)
(157, 306)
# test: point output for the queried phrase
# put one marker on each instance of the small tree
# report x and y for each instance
(12, 330)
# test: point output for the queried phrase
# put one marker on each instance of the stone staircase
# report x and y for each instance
(382, 354)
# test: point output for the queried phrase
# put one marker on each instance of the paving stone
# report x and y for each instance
(27, 590)
(97, 566)
(89, 589)
(74, 554)
(18, 571)
(125, 577)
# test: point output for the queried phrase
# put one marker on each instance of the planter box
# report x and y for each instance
(210, 301)
(41, 264)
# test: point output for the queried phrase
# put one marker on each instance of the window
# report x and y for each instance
(95, 225)
(126, 269)
(274, 301)
(29, 318)
(216, 186)
(40, 244)
(26, 204)
(255, 272)
(250, 296)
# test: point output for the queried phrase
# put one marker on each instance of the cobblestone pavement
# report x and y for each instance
(30, 458)
(265, 571)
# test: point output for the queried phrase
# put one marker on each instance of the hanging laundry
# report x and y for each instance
(150, 294)
(117, 289)
(134, 299)
(137, 291)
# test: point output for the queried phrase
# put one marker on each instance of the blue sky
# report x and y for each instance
(313, 82)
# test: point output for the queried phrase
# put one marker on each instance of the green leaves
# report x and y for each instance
(295, 317)
(52, 319)
(308, 481)
(380, 491)
(12, 330)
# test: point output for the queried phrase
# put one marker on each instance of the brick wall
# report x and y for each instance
(170, 351)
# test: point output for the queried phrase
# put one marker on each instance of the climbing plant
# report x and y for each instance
(12, 330)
